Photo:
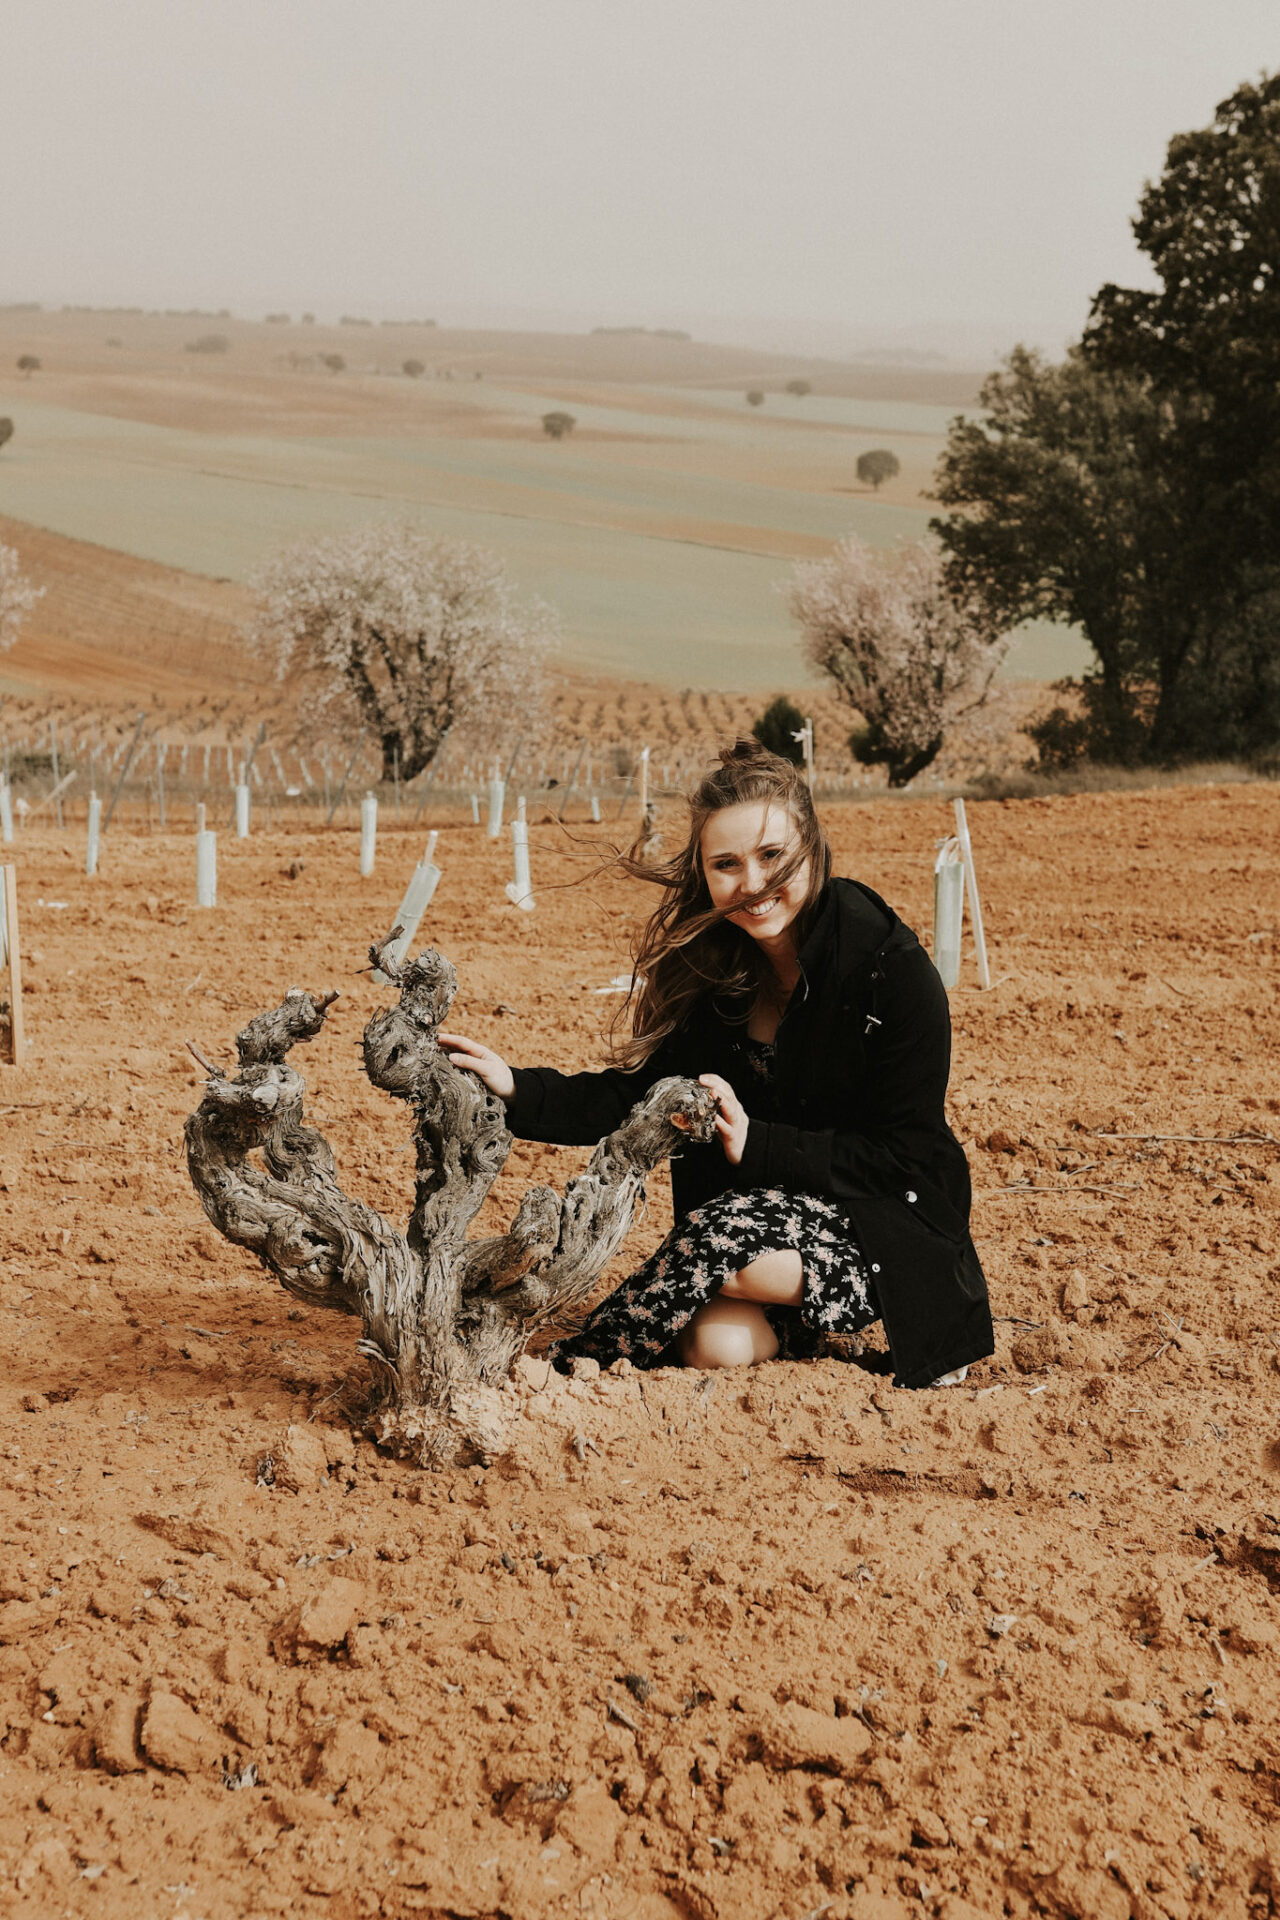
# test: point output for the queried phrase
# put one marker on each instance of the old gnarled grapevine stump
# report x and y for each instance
(442, 1317)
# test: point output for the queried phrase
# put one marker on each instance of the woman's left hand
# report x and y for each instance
(731, 1120)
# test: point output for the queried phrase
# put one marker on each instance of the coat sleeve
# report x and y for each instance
(901, 1113)
(578, 1109)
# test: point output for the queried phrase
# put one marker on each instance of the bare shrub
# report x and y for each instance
(908, 655)
(755, 398)
(799, 388)
(413, 637)
(557, 424)
(6, 431)
(28, 363)
(414, 369)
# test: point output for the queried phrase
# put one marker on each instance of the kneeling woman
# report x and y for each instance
(835, 1193)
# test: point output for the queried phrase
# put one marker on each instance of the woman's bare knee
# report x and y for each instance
(775, 1279)
(735, 1334)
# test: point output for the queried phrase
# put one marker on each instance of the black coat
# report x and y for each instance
(861, 1063)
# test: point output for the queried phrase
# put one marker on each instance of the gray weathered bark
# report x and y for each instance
(442, 1317)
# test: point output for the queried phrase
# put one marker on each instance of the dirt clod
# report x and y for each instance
(174, 1737)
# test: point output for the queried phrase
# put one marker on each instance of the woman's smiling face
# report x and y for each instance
(742, 847)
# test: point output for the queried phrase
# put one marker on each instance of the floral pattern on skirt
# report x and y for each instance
(641, 1318)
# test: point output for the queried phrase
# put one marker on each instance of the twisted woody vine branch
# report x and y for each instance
(442, 1317)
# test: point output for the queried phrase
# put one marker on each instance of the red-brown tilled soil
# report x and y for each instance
(784, 1642)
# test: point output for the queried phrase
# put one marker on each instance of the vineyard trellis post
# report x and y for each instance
(417, 898)
(124, 768)
(573, 780)
(206, 868)
(95, 828)
(971, 890)
(53, 757)
(497, 795)
(431, 775)
(11, 952)
(368, 833)
(342, 790)
(253, 753)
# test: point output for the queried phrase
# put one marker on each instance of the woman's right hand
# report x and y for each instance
(487, 1066)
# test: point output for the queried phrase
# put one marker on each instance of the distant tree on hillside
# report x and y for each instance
(17, 597)
(6, 431)
(557, 424)
(876, 467)
(907, 653)
(209, 343)
(414, 369)
(799, 388)
(277, 320)
(412, 636)
(755, 398)
(777, 727)
(334, 362)
(28, 364)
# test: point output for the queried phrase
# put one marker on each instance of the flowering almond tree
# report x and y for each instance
(442, 1318)
(17, 597)
(413, 636)
(909, 655)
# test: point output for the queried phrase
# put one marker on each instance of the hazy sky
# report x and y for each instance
(793, 171)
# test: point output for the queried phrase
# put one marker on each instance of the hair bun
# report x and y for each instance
(744, 751)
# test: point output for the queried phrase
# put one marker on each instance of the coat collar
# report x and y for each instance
(852, 924)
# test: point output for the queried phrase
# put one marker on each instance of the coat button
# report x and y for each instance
(911, 1197)
(875, 1266)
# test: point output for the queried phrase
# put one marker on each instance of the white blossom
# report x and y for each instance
(414, 635)
(906, 652)
(17, 597)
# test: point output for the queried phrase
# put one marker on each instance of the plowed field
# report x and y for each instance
(778, 1643)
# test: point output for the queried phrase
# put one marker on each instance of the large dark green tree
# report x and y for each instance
(1135, 490)
(778, 727)
(1211, 228)
(1073, 508)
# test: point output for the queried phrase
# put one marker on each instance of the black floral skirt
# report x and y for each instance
(641, 1318)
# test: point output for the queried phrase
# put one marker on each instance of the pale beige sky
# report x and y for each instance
(797, 172)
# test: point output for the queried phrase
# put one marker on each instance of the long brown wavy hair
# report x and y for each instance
(688, 949)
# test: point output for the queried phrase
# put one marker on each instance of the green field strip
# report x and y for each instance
(899, 418)
(681, 605)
